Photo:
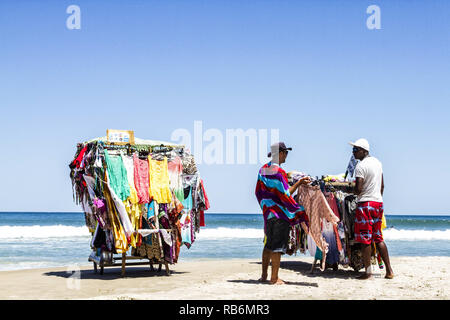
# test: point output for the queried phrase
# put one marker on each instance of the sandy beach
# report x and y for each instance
(421, 278)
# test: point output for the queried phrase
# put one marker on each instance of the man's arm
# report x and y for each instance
(382, 184)
(304, 180)
(358, 185)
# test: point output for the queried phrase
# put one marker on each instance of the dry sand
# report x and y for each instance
(416, 278)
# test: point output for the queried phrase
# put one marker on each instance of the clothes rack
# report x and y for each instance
(117, 206)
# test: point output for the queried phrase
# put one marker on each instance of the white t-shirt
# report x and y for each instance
(371, 170)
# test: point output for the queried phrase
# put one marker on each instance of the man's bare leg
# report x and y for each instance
(366, 251)
(382, 249)
(323, 261)
(266, 256)
(276, 259)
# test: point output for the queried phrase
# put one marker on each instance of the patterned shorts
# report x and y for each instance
(368, 219)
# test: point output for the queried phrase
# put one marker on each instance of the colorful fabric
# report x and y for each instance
(185, 221)
(120, 238)
(206, 205)
(159, 180)
(175, 168)
(77, 161)
(368, 220)
(141, 179)
(129, 168)
(272, 193)
(117, 175)
(132, 203)
(316, 207)
(332, 202)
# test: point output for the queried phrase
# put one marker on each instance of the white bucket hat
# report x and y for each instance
(361, 143)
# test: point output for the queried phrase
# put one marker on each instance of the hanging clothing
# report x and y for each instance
(175, 168)
(121, 211)
(312, 247)
(175, 208)
(316, 207)
(140, 203)
(132, 203)
(141, 179)
(117, 175)
(188, 163)
(205, 204)
(159, 188)
(129, 168)
(120, 239)
(330, 237)
(77, 161)
(351, 167)
(332, 202)
(185, 220)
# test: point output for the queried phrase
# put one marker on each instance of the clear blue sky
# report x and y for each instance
(310, 68)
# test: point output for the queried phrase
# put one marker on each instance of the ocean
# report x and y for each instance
(40, 239)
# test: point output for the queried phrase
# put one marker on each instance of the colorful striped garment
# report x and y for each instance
(272, 192)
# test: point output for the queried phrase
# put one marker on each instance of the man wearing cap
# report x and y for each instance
(280, 210)
(369, 187)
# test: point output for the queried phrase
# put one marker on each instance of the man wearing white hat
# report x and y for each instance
(369, 212)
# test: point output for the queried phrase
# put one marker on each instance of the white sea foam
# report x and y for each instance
(36, 231)
(64, 231)
(226, 233)
(388, 234)
(413, 235)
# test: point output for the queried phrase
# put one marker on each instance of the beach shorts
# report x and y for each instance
(368, 219)
(277, 235)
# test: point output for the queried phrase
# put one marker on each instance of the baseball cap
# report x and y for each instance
(277, 147)
(361, 143)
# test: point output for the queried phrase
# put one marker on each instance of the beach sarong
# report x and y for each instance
(272, 193)
(316, 207)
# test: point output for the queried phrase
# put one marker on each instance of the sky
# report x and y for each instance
(313, 70)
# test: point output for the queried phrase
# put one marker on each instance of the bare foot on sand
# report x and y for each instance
(263, 279)
(365, 276)
(389, 276)
(277, 282)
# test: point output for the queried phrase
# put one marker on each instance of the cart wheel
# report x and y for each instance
(95, 267)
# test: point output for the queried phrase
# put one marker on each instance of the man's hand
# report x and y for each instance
(304, 180)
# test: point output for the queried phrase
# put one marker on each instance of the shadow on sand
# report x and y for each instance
(295, 283)
(304, 268)
(111, 273)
